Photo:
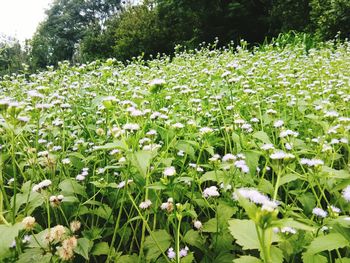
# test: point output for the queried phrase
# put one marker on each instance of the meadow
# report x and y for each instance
(212, 155)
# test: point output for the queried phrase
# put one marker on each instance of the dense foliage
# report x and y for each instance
(211, 156)
(81, 31)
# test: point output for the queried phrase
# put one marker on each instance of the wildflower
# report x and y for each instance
(211, 191)
(334, 209)
(183, 252)
(319, 212)
(197, 224)
(346, 193)
(242, 165)
(228, 157)
(205, 130)
(131, 126)
(278, 124)
(66, 161)
(146, 204)
(171, 253)
(281, 155)
(75, 226)
(28, 222)
(288, 230)
(56, 233)
(169, 171)
(311, 162)
(26, 239)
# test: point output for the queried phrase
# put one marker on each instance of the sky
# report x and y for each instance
(20, 18)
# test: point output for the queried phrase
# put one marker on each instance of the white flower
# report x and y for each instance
(319, 212)
(178, 125)
(278, 123)
(334, 209)
(157, 82)
(183, 252)
(267, 146)
(205, 130)
(288, 229)
(279, 155)
(211, 191)
(197, 224)
(311, 162)
(146, 204)
(171, 253)
(66, 161)
(228, 157)
(242, 165)
(169, 171)
(346, 193)
(286, 133)
(131, 126)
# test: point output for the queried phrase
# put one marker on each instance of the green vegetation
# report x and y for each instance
(83, 31)
(213, 155)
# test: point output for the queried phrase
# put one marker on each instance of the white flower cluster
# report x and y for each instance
(319, 212)
(44, 184)
(311, 162)
(256, 197)
(146, 204)
(211, 191)
(281, 155)
(82, 175)
(169, 171)
(172, 254)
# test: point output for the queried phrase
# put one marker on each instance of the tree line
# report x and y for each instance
(85, 30)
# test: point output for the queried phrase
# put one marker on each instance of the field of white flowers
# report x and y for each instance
(213, 155)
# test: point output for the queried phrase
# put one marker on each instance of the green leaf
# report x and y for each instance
(127, 259)
(262, 136)
(71, 186)
(276, 255)
(288, 178)
(34, 255)
(8, 235)
(252, 160)
(188, 259)
(112, 146)
(83, 247)
(247, 259)
(142, 160)
(211, 226)
(307, 258)
(245, 233)
(193, 238)
(101, 248)
(186, 148)
(215, 176)
(157, 243)
(342, 260)
(327, 242)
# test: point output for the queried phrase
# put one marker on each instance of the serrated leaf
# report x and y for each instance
(83, 247)
(127, 259)
(193, 238)
(8, 235)
(156, 244)
(247, 259)
(276, 255)
(262, 136)
(327, 242)
(307, 258)
(71, 186)
(245, 233)
(142, 160)
(215, 176)
(186, 148)
(211, 226)
(101, 248)
(288, 178)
